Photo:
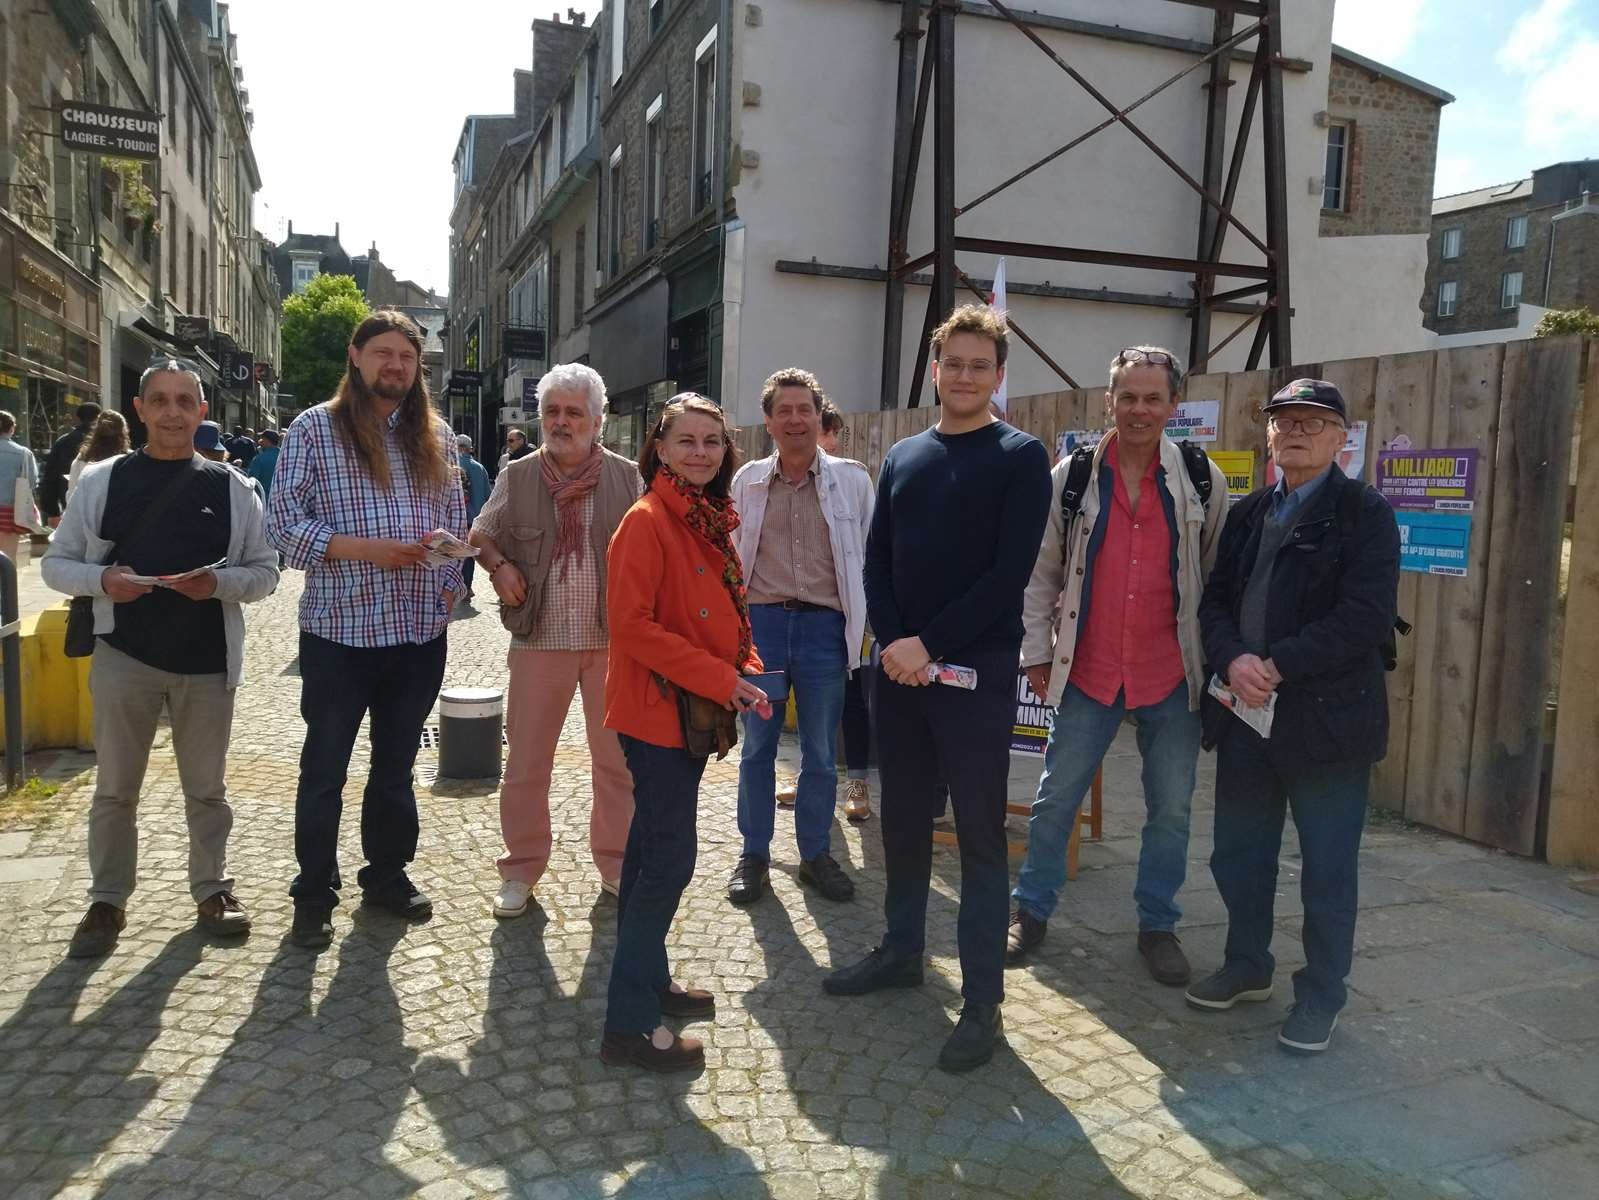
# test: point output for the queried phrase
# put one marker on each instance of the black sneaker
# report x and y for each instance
(1226, 988)
(827, 877)
(749, 879)
(1026, 932)
(972, 1043)
(400, 898)
(1307, 1030)
(880, 969)
(313, 925)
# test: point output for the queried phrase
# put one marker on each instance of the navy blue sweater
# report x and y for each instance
(956, 531)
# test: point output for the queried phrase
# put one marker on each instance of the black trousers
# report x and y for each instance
(928, 736)
(339, 685)
(857, 725)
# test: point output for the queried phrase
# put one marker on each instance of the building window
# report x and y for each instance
(555, 297)
(657, 15)
(578, 243)
(188, 135)
(1335, 182)
(1510, 289)
(205, 284)
(304, 272)
(1516, 233)
(591, 72)
(613, 224)
(703, 159)
(172, 260)
(655, 174)
(188, 269)
(1451, 243)
(1448, 298)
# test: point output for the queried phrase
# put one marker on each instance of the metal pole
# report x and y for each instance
(11, 650)
(1215, 154)
(943, 46)
(1279, 320)
(910, 33)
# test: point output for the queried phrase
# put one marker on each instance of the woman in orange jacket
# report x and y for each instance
(676, 610)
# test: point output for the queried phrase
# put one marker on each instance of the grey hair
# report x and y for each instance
(172, 364)
(1174, 371)
(577, 377)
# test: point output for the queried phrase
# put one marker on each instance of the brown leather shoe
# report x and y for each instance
(1026, 931)
(223, 915)
(857, 801)
(691, 1003)
(97, 933)
(637, 1050)
(1163, 954)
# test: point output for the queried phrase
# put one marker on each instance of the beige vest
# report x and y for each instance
(527, 529)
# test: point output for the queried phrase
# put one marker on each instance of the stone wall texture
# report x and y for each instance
(1395, 147)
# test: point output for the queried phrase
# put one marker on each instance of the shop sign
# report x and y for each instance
(524, 341)
(120, 132)
(42, 280)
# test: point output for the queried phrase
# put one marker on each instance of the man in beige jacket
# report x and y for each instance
(1112, 630)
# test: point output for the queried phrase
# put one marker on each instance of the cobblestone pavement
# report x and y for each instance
(458, 1058)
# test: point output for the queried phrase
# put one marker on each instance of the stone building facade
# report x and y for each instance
(1534, 241)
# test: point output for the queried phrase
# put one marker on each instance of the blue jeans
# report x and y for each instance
(657, 867)
(1256, 781)
(809, 647)
(1168, 741)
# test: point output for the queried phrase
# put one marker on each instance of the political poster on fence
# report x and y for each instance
(1239, 467)
(1034, 719)
(1196, 420)
(1441, 480)
(1071, 439)
(1433, 543)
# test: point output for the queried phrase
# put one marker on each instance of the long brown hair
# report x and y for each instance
(421, 431)
(108, 437)
(678, 406)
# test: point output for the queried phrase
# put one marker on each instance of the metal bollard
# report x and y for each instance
(11, 651)
(470, 725)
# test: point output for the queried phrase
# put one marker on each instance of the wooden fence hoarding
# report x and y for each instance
(1468, 700)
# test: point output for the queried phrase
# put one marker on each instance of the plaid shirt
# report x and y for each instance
(320, 490)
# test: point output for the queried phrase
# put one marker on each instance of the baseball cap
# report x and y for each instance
(208, 436)
(1317, 393)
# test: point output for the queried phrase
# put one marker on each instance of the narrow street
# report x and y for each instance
(458, 1057)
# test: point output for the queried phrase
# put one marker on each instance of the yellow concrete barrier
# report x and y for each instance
(57, 709)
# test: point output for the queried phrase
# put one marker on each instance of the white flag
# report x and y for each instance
(996, 301)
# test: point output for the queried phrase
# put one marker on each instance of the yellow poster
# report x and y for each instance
(1239, 467)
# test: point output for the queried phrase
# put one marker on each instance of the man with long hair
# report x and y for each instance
(360, 482)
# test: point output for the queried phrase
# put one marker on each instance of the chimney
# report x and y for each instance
(373, 253)
(291, 229)
(335, 231)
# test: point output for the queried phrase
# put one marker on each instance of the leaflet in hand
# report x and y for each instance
(444, 547)
(169, 580)
(1258, 719)
(961, 677)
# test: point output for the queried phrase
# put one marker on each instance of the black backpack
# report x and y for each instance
(1082, 465)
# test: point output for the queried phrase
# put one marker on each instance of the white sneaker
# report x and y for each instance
(512, 900)
(611, 887)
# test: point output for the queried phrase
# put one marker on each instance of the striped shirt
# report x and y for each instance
(320, 489)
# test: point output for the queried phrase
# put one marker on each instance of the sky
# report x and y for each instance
(1522, 72)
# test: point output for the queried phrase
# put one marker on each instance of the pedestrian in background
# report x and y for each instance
(516, 448)
(543, 537)
(475, 482)
(960, 511)
(857, 715)
(16, 462)
(1300, 606)
(678, 620)
(803, 517)
(362, 479)
(53, 489)
(107, 439)
(162, 511)
(265, 462)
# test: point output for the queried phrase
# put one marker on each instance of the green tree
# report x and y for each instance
(317, 325)
(1568, 320)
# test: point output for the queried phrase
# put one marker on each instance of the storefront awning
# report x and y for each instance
(627, 343)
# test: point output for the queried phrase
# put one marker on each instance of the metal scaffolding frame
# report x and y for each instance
(930, 84)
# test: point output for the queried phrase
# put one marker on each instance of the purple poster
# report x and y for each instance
(1440, 480)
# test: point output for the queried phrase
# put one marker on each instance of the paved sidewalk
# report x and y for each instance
(458, 1058)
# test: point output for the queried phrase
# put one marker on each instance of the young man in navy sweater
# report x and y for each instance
(959, 518)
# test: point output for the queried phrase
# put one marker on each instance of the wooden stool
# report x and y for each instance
(1091, 815)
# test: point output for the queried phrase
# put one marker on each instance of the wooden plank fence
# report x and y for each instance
(1471, 699)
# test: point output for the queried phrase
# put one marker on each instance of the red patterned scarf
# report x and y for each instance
(714, 518)
(568, 493)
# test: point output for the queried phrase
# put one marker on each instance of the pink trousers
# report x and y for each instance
(543, 683)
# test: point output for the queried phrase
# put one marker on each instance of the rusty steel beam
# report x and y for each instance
(1215, 151)
(1021, 333)
(943, 47)
(1235, 169)
(1273, 141)
(1114, 258)
(1203, 361)
(910, 107)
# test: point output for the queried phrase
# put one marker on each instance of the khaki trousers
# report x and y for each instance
(128, 696)
(542, 685)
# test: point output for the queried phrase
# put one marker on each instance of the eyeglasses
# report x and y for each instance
(171, 362)
(1132, 355)
(1310, 425)
(959, 366)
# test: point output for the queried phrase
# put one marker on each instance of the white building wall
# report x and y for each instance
(824, 130)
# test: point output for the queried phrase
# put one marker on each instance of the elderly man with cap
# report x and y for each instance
(1299, 612)
(475, 479)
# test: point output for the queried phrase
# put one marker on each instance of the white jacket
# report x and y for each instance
(1054, 597)
(844, 490)
(75, 560)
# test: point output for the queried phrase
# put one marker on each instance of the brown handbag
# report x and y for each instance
(708, 728)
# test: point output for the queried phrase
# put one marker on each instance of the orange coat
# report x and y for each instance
(668, 611)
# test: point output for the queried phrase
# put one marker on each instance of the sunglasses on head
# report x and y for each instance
(171, 362)
(1132, 355)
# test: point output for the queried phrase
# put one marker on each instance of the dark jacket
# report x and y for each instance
(51, 492)
(1334, 594)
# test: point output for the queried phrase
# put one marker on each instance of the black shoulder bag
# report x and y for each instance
(80, 613)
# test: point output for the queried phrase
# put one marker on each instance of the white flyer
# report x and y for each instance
(444, 547)
(1258, 719)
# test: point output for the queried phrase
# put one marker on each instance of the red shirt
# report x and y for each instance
(1129, 638)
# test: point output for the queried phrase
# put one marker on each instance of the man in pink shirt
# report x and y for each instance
(1112, 629)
